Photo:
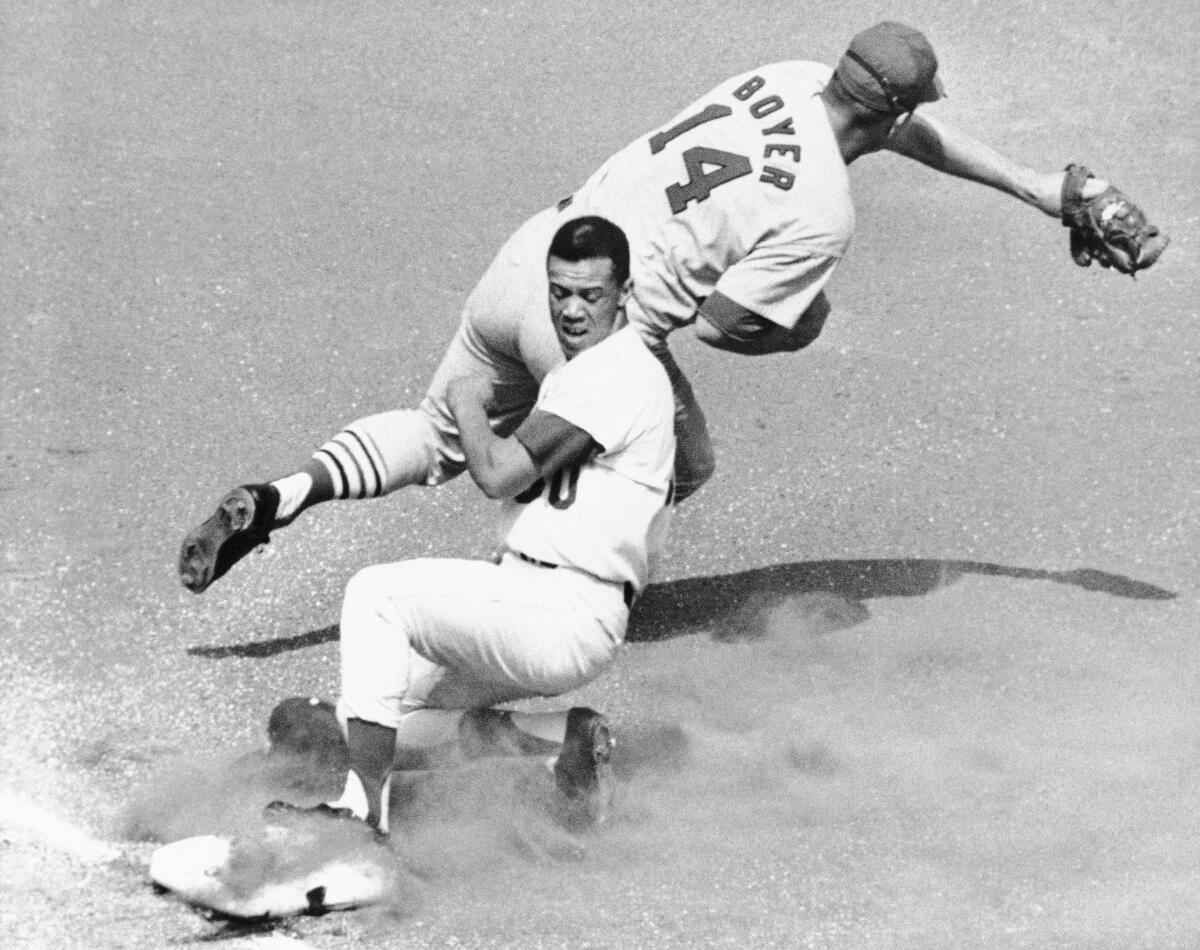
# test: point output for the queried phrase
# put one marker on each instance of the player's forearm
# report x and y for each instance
(477, 439)
(500, 467)
(953, 152)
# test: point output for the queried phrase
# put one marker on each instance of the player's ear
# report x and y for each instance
(626, 290)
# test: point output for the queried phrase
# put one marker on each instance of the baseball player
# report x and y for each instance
(738, 210)
(586, 487)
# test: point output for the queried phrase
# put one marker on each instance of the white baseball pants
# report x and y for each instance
(457, 634)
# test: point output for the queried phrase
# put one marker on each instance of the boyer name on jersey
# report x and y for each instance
(708, 168)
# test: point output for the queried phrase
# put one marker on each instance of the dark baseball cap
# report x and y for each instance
(890, 67)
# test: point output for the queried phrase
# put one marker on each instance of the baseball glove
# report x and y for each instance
(1108, 228)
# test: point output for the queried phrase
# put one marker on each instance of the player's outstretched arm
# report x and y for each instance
(953, 152)
(1105, 225)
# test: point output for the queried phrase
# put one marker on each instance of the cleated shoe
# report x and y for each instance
(284, 814)
(243, 520)
(280, 812)
(583, 772)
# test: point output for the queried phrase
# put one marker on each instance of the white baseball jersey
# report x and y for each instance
(745, 191)
(601, 516)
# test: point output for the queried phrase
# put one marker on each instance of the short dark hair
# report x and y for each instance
(592, 236)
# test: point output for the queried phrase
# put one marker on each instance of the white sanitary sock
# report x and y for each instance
(292, 491)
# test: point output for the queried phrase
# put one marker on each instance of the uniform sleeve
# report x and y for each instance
(593, 392)
(777, 283)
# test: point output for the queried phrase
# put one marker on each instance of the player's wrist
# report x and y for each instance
(1045, 193)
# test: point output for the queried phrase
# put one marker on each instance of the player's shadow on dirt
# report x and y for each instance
(730, 603)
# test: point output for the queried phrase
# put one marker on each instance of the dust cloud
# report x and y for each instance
(998, 762)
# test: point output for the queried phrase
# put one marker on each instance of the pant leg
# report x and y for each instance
(505, 336)
(380, 453)
(695, 461)
(456, 634)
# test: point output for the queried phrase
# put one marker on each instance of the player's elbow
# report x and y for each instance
(710, 335)
(793, 340)
(498, 481)
(495, 483)
(722, 339)
(810, 324)
(725, 325)
(760, 342)
(490, 487)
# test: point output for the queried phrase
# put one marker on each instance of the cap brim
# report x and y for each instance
(935, 90)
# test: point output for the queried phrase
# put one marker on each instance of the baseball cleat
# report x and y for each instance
(242, 521)
(283, 814)
(280, 810)
(583, 771)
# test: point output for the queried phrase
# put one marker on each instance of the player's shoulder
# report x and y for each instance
(619, 348)
(622, 360)
(631, 345)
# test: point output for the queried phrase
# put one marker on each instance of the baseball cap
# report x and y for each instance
(890, 67)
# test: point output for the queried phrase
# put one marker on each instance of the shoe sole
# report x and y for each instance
(602, 750)
(602, 742)
(201, 551)
(584, 800)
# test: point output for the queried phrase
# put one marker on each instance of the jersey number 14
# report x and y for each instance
(707, 168)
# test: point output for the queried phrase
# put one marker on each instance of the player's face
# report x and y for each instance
(585, 301)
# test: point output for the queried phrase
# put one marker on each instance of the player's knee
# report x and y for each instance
(384, 590)
(367, 589)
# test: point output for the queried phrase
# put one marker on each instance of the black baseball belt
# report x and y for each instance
(627, 591)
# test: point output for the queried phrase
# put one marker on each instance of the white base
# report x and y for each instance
(200, 871)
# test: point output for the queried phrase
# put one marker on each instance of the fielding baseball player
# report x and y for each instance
(586, 483)
(738, 210)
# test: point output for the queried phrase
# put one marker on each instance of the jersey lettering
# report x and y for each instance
(728, 167)
(559, 499)
(776, 149)
(708, 168)
(777, 177)
(659, 141)
(764, 107)
(562, 485)
(749, 88)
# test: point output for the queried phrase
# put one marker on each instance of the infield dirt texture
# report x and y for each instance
(930, 637)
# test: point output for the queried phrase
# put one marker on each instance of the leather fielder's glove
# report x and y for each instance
(1108, 228)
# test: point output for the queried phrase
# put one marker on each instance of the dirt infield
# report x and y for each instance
(925, 670)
